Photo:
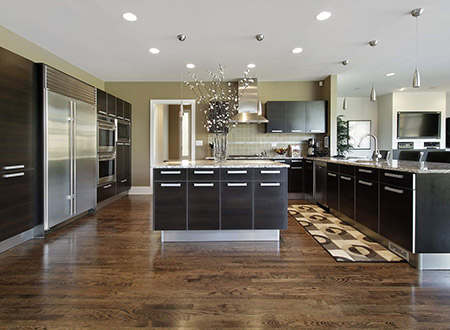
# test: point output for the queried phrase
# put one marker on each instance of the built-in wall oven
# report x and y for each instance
(106, 168)
(106, 135)
(123, 131)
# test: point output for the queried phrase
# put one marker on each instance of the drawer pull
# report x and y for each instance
(397, 191)
(107, 186)
(124, 180)
(296, 161)
(112, 115)
(315, 131)
(274, 184)
(13, 167)
(270, 172)
(13, 175)
(236, 172)
(170, 185)
(365, 171)
(296, 131)
(203, 172)
(103, 112)
(370, 184)
(203, 184)
(127, 119)
(296, 168)
(170, 172)
(120, 117)
(280, 160)
(309, 161)
(332, 174)
(237, 184)
(346, 178)
(392, 175)
(277, 131)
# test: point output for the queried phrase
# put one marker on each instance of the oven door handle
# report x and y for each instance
(106, 127)
(107, 158)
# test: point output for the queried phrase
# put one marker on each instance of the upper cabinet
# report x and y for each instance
(127, 111)
(111, 105)
(119, 108)
(296, 116)
(102, 108)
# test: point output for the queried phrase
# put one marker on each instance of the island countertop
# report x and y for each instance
(226, 164)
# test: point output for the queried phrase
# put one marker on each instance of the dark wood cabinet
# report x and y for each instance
(127, 165)
(366, 210)
(123, 165)
(396, 215)
(308, 167)
(270, 200)
(316, 117)
(102, 102)
(237, 208)
(170, 215)
(203, 211)
(333, 190)
(127, 111)
(111, 105)
(296, 117)
(119, 109)
(347, 195)
(276, 114)
(106, 191)
(295, 176)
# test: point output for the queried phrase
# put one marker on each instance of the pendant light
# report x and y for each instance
(416, 76)
(373, 93)
(344, 104)
(181, 38)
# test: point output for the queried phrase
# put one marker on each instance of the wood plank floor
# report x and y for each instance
(109, 270)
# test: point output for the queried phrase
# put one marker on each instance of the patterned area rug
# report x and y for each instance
(343, 242)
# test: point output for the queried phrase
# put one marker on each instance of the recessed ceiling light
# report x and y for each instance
(190, 66)
(154, 50)
(323, 16)
(251, 66)
(390, 74)
(129, 17)
(297, 50)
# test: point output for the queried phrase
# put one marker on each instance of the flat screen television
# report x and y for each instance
(418, 125)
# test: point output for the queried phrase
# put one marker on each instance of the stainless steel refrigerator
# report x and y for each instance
(70, 147)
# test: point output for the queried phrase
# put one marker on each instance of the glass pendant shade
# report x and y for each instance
(373, 94)
(344, 104)
(416, 78)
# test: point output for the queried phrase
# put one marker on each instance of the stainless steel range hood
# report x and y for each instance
(250, 109)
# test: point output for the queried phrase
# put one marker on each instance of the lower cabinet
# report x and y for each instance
(203, 211)
(333, 190)
(295, 177)
(106, 191)
(396, 215)
(237, 206)
(367, 204)
(270, 205)
(347, 195)
(170, 215)
(309, 177)
(123, 162)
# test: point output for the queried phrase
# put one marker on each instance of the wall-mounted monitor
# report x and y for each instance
(418, 125)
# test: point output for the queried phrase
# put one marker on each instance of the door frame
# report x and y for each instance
(153, 103)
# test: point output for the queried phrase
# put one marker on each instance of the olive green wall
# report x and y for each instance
(15, 43)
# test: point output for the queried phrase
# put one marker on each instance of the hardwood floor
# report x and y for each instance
(109, 270)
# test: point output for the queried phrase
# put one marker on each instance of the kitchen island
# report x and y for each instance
(238, 200)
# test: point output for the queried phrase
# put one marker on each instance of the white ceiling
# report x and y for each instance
(92, 35)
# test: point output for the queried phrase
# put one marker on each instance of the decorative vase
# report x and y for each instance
(220, 147)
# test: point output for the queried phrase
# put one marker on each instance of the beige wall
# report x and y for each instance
(33, 52)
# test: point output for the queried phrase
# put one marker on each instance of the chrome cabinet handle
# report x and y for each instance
(315, 130)
(170, 172)
(236, 172)
(236, 184)
(13, 175)
(397, 191)
(270, 172)
(112, 115)
(346, 178)
(103, 112)
(280, 160)
(296, 131)
(364, 171)
(124, 180)
(13, 167)
(107, 186)
(392, 175)
(296, 160)
(277, 131)
(370, 184)
(170, 185)
(203, 184)
(270, 184)
(203, 172)
(120, 117)
(296, 168)
(332, 174)
(309, 161)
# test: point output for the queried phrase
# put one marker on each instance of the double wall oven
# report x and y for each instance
(107, 138)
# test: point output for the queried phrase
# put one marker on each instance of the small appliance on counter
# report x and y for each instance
(312, 147)
(294, 150)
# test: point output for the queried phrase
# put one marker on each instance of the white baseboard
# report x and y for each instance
(140, 190)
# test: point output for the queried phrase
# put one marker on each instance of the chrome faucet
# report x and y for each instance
(376, 152)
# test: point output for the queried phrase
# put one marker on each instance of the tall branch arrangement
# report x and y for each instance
(218, 100)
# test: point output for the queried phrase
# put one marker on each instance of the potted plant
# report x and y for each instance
(343, 145)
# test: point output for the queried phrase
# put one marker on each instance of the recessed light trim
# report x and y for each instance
(154, 50)
(322, 16)
(297, 50)
(390, 74)
(130, 17)
(251, 66)
(190, 66)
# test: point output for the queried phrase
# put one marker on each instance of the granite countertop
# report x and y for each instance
(227, 164)
(257, 158)
(401, 166)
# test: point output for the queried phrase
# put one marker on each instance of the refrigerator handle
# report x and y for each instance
(71, 156)
(74, 143)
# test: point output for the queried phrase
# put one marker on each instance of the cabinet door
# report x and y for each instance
(127, 111)
(316, 117)
(321, 183)
(296, 116)
(295, 183)
(102, 102)
(203, 212)
(276, 114)
(169, 202)
(309, 177)
(127, 165)
(396, 215)
(120, 167)
(347, 195)
(106, 191)
(270, 205)
(237, 206)
(333, 190)
(111, 105)
(17, 203)
(119, 108)
(367, 204)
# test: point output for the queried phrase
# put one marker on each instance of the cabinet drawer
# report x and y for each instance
(347, 169)
(172, 174)
(106, 191)
(401, 179)
(170, 215)
(332, 167)
(236, 174)
(367, 173)
(270, 205)
(271, 174)
(203, 201)
(237, 206)
(204, 174)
